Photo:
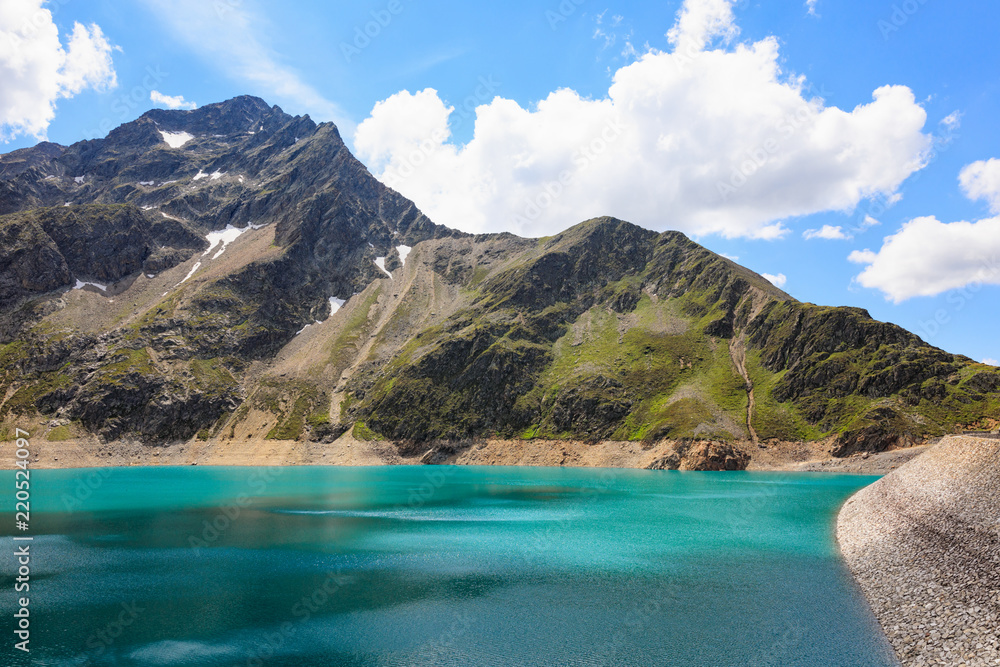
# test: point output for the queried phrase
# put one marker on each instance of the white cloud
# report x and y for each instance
(171, 101)
(928, 257)
(778, 280)
(991, 362)
(400, 125)
(233, 38)
(701, 21)
(36, 69)
(869, 221)
(708, 142)
(811, 5)
(862, 256)
(952, 121)
(981, 180)
(829, 233)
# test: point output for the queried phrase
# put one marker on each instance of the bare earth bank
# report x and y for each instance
(349, 451)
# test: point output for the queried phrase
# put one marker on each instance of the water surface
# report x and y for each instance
(437, 566)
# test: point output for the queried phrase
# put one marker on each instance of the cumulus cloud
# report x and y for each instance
(701, 21)
(829, 232)
(991, 362)
(778, 280)
(865, 256)
(927, 257)
(981, 180)
(37, 69)
(171, 101)
(232, 37)
(716, 141)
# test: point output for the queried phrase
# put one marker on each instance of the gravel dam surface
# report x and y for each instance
(924, 544)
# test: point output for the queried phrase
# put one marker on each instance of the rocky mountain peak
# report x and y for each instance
(19, 161)
(244, 115)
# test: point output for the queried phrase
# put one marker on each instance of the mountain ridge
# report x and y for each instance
(235, 295)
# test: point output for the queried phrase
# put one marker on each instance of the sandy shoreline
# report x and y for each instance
(924, 544)
(349, 451)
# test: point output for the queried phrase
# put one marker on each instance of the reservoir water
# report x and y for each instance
(469, 566)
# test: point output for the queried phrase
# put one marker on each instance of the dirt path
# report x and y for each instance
(738, 352)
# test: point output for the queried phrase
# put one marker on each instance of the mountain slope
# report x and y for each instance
(234, 274)
(215, 250)
(609, 331)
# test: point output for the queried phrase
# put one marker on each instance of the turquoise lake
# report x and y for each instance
(435, 566)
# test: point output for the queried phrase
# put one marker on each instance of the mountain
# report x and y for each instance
(234, 274)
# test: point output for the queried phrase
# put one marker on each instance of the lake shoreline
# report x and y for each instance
(350, 451)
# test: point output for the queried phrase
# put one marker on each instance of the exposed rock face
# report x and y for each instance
(703, 455)
(30, 262)
(19, 161)
(885, 435)
(53, 247)
(924, 543)
(606, 332)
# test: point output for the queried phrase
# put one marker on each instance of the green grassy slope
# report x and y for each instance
(608, 331)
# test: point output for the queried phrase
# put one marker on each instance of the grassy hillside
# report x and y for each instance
(662, 340)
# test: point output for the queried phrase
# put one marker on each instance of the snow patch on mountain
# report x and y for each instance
(81, 284)
(403, 251)
(176, 139)
(223, 236)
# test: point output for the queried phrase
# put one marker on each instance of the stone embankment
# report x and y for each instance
(924, 544)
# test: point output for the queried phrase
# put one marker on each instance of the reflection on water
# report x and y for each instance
(438, 566)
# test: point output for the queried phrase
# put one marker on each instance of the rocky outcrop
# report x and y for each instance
(888, 432)
(21, 160)
(594, 407)
(45, 249)
(924, 543)
(30, 261)
(703, 455)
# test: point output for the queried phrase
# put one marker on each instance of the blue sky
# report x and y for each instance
(678, 115)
